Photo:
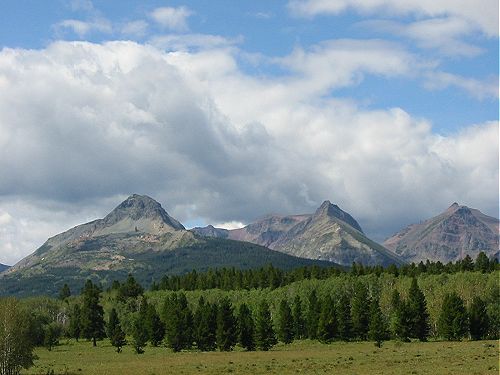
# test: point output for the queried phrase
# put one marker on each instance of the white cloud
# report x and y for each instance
(482, 14)
(83, 125)
(476, 88)
(230, 225)
(136, 28)
(185, 42)
(172, 18)
(83, 28)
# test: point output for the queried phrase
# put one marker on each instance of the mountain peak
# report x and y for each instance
(137, 207)
(332, 210)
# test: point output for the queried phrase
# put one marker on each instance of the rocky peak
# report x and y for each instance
(138, 207)
(327, 209)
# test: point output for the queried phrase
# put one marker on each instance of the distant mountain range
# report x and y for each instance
(3, 267)
(448, 237)
(137, 237)
(328, 234)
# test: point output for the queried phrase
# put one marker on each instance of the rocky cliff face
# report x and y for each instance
(328, 234)
(450, 236)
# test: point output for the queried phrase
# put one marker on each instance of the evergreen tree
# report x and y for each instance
(246, 329)
(482, 263)
(453, 322)
(360, 311)
(155, 327)
(313, 315)
(178, 321)
(226, 326)
(417, 307)
(344, 318)
(265, 337)
(115, 332)
(299, 325)
(285, 323)
(74, 328)
(478, 319)
(64, 293)
(130, 289)
(92, 313)
(205, 325)
(327, 326)
(139, 334)
(377, 327)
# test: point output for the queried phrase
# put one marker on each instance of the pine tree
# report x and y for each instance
(285, 323)
(417, 307)
(313, 315)
(74, 329)
(482, 263)
(327, 326)
(344, 318)
(130, 289)
(92, 313)
(265, 337)
(246, 328)
(155, 327)
(478, 319)
(299, 325)
(226, 326)
(178, 321)
(205, 325)
(377, 327)
(115, 332)
(139, 334)
(360, 311)
(453, 322)
(64, 293)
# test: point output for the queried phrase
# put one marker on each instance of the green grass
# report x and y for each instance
(303, 357)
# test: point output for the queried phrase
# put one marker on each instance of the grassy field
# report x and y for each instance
(304, 357)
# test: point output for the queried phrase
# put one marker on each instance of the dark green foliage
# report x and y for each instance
(299, 324)
(285, 323)
(246, 328)
(139, 334)
(226, 326)
(344, 318)
(377, 327)
(75, 328)
(478, 319)
(205, 325)
(52, 334)
(467, 264)
(327, 326)
(360, 311)
(265, 338)
(92, 313)
(403, 322)
(313, 312)
(154, 325)
(482, 263)
(417, 307)
(115, 332)
(453, 323)
(64, 293)
(130, 289)
(178, 322)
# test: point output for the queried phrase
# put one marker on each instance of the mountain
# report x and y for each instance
(137, 237)
(450, 236)
(329, 234)
(3, 267)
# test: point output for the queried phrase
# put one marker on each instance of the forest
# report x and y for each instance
(255, 309)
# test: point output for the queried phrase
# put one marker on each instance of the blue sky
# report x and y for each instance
(227, 110)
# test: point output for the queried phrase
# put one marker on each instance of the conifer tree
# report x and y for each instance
(265, 338)
(285, 323)
(344, 318)
(478, 319)
(226, 326)
(115, 332)
(64, 293)
(327, 326)
(74, 329)
(155, 327)
(299, 325)
(453, 322)
(246, 328)
(139, 334)
(482, 263)
(360, 311)
(313, 315)
(417, 307)
(205, 325)
(130, 289)
(178, 322)
(377, 327)
(92, 313)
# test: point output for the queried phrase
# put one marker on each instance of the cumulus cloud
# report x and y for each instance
(83, 125)
(476, 88)
(172, 18)
(138, 28)
(482, 14)
(83, 28)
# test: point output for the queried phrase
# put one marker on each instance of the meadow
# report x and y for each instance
(300, 357)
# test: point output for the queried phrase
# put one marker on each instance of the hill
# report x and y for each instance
(449, 236)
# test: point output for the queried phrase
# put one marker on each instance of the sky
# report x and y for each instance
(225, 111)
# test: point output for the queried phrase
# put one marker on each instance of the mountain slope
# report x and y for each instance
(3, 267)
(137, 237)
(449, 236)
(328, 234)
